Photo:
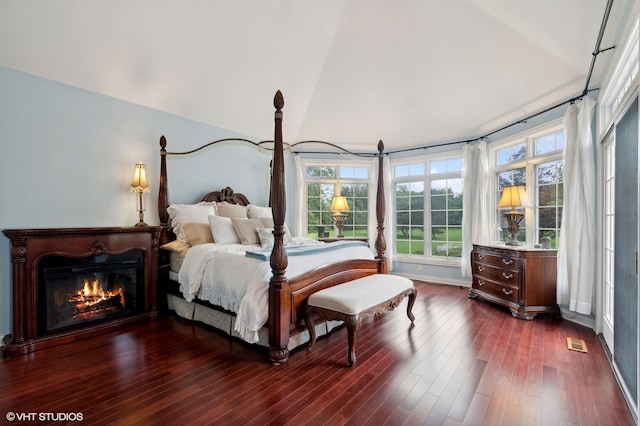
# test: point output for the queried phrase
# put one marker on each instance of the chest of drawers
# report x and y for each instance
(522, 279)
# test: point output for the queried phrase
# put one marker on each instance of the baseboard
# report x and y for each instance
(588, 321)
(437, 280)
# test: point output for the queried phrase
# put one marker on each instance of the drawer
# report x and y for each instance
(504, 261)
(498, 290)
(506, 276)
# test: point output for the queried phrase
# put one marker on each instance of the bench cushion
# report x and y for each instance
(362, 293)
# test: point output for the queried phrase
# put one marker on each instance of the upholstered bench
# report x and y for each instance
(355, 300)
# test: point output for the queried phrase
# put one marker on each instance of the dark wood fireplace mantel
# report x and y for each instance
(29, 246)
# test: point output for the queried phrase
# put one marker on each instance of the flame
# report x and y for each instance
(92, 293)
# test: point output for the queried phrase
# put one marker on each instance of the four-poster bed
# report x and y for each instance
(287, 295)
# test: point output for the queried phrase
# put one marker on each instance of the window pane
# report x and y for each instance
(410, 217)
(550, 143)
(438, 218)
(402, 171)
(454, 165)
(438, 166)
(321, 171)
(319, 220)
(416, 169)
(512, 153)
(549, 202)
(357, 218)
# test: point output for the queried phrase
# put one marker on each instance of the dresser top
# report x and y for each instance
(516, 248)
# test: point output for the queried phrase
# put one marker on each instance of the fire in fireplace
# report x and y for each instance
(76, 292)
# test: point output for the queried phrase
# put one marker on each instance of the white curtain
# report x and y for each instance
(476, 226)
(576, 251)
(388, 219)
(299, 199)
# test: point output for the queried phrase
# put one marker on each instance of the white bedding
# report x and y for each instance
(222, 275)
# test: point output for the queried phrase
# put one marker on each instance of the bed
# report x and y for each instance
(283, 271)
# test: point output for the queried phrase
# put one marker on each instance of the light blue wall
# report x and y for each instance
(68, 158)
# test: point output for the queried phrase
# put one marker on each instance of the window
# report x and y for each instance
(429, 223)
(323, 182)
(533, 160)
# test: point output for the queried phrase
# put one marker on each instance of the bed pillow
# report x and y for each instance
(222, 230)
(180, 214)
(254, 211)
(198, 233)
(225, 209)
(247, 230)
(266, 237)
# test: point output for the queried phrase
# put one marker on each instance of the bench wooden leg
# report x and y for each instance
(353, 325)
(311, 327)
(410, 302)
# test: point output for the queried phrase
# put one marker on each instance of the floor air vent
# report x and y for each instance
(576, 344)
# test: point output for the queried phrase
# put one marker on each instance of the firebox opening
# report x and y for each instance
(74, 292)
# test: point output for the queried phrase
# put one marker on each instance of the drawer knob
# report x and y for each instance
(480, 256)
(480, 283)
(507, 292)
(507, 276)
(481, 268)
(507, 261)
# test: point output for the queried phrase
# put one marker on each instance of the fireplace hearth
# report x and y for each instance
(73, 283)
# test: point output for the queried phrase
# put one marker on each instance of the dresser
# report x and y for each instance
(521, 278)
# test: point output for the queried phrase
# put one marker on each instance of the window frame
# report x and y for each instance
(426, 178)
(338, 180)
(530, 164)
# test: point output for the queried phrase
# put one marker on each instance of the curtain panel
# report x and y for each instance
(476, 227)
(576, 250)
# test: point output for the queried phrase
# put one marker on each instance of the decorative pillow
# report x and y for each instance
(256, 211)
(225, 209)
(198, 233)
(267, 222)
(188, 213)
(178, 249)
(266, 237)
(176, 245)
(222, 230)
(246, 230)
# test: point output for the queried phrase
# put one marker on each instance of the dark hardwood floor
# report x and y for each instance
(463, 362)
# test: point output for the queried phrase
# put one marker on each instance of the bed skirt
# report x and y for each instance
(224, 322)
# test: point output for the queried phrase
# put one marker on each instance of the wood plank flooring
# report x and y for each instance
(463, 362)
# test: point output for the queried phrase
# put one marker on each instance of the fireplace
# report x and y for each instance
(78, 292)
(73, 283)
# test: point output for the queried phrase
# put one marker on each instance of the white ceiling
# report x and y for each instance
(352, 72)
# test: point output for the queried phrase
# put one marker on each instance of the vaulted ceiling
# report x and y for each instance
(409, 72)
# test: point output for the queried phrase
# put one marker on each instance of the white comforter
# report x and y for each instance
(222, 275)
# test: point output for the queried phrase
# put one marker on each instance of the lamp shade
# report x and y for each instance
(513, 196)
(339, 204)
(139, 183)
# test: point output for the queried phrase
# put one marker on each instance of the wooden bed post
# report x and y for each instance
(163, 193)
(381, 245)
(279, 299)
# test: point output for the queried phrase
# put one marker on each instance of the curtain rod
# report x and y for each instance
(596, 52)
(515, 123)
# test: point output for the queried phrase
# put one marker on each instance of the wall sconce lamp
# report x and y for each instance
(139, 185)
(513, 196)
(339, 204)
